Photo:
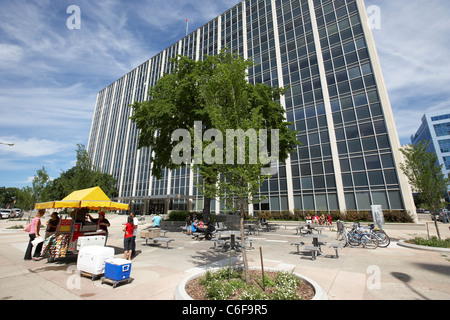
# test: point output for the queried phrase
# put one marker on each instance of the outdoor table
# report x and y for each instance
(315, 238)
(252, 228)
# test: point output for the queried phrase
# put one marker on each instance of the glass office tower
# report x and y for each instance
(324, 51)
(435, 129)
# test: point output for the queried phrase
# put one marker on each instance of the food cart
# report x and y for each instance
(73, 226)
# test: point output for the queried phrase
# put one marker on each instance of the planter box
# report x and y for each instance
(181, 294)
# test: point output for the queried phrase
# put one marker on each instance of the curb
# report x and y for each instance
(402, 243)
(181, 294)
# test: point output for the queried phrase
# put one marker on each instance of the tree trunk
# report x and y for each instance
(244, 253)
(206, 209)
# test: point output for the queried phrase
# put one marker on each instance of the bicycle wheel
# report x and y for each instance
(383, 238)
(353, 239)
(369, 240)
(342, 239)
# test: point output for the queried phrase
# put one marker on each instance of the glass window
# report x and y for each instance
(307, 183)
(319, 182)
(354, 73)
(347, 180)
(298, 202)
(363, 199)
(380, 198)
(345, 165)
(373, 162)
(308, 202)
(369, 144)
(333, 202)
(354, 145)
(390, 176)
(274, 203)
(321, 202)
(357, 164)
(350, 201)
(366, 129)
(376, 178)
(360, 179)
(396, 200)
(352, 132)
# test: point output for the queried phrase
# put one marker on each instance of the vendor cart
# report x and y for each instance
(74, 225)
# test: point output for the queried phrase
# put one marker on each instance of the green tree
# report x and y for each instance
(39, 184)
(82, 176)
(183, 97)
(251, 121)
(425, 176)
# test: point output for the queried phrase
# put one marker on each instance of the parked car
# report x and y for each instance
(17, 213)
(7, 213)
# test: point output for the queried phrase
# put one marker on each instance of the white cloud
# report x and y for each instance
(31, 147)
(413, 48)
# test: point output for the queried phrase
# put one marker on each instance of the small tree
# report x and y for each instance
(242, 115)
(425, 176)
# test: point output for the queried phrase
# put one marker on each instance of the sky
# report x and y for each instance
(52, 65)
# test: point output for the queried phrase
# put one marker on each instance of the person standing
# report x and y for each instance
(128, 238)
(136, 223)
(102, 223)
(33, 234)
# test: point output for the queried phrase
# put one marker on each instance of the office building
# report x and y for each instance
(435, 129)
(325, 52)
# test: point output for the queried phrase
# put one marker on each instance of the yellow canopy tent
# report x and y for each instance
(92, 198)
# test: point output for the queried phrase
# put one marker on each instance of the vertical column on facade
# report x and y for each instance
(108, 122)
(116, 134)
(328, 112)
(219, 44)
(147, 85)
(99, 122)
(125, 148)
(138, 153)
(92, 126)
(191, 171)
(290, 189)
(394, 140)
(245, 49)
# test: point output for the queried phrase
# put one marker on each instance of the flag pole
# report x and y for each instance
(187, 25)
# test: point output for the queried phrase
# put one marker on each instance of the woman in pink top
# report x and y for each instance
(34, 232)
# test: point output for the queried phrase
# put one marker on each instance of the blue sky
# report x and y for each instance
(50, 75)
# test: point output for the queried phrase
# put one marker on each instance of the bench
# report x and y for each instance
(313, 250)
(156, 240)
(198, 235)
(298, 244)
(336, 246)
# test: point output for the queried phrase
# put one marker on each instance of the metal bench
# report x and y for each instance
(313, 250)
(166, 240)
(336, 246)
(298, 244)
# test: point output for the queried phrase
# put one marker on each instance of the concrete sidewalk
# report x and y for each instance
(359, 274)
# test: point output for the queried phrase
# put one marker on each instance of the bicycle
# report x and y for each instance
(356, 239)
(383, 238)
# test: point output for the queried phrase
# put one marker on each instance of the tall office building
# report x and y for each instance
(435, 129)
(324, 51)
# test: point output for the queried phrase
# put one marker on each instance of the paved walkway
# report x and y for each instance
(359, 274)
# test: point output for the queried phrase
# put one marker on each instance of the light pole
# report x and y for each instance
(7, 143)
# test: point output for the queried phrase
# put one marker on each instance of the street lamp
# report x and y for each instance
(8, 144)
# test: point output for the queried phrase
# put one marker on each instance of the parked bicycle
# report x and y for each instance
(383, 238)
(356, 239)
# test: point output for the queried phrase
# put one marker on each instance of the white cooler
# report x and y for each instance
(90, 241)
(91, 259)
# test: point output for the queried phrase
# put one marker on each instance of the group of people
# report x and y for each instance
(130, 229)
(193, 224)
(322, 220)
(51, 227)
